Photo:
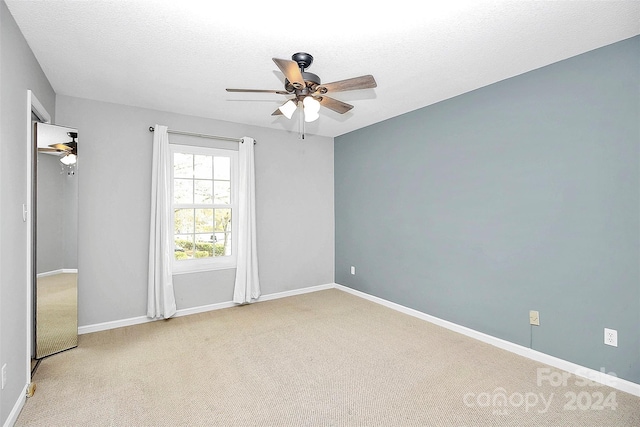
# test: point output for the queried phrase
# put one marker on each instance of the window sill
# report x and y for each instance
(194, 268)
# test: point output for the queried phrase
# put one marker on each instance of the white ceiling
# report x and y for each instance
(180, 55)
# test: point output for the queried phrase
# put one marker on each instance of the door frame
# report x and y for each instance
(35, 107)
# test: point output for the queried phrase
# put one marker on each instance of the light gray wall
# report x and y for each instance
(57, 211)
(523, 195)
(294, 191)
(51, 215)
(70, 224)
(19, 71)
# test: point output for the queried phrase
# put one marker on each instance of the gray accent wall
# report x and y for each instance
(522, 195)
(294, 199)
(19, 71)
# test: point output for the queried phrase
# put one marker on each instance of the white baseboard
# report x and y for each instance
(581, 371)
(54, 272)
(144, 319)
(194, 310)
(13, 415)
(105, 326)
(297, 292)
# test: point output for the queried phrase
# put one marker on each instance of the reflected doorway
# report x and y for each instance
(55, 194)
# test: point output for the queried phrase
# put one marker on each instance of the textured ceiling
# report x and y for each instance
(180, 55)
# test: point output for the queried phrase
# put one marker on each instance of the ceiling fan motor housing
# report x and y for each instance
(311, 81)
(304, 61)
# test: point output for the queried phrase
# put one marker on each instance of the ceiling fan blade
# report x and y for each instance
(362, 82)
(279, 92)
(334, 104)
(50, 150)
(291, 72)
(62, 147)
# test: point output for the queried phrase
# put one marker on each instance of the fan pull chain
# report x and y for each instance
(301, 124)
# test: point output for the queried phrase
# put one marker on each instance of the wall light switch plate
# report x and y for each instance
(534, 318)
(353, 270)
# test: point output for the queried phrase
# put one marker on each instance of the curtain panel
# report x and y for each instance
(161, 302)
(247, 283)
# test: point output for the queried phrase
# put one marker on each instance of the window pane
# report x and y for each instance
(183, 191)
(202, 197)
(222, 168)
(182, 165)
(222, 192)
(202, 166)
(204, 246)
(204, 220)
(183, 246)
(223, 220)
(222, 244)
(203, 191)
(183, 221)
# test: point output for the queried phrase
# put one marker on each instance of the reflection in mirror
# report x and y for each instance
(56, 206)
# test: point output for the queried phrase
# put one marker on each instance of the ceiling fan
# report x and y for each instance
(308, 90)
(68, 150)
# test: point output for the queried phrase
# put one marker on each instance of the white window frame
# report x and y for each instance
(214, 263)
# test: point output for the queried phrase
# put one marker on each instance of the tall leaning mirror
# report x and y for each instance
(56, 237)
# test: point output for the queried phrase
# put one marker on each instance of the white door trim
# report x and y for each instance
(34, 106)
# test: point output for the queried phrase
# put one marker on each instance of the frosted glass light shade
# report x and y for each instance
(311, 109)
(288, 108)
(310, 116)
(69, 159)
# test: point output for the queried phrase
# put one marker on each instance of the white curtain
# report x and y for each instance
(247, 284)
(161, 302)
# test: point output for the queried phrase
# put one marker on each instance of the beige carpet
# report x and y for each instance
(57, 314)
(321, 359)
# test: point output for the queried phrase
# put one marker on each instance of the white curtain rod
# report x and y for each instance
(201, 135)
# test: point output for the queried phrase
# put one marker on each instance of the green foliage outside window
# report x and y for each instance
(203, 249)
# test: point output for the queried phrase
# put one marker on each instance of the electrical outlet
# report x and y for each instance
(4, 375)
(534, 318)
(353, 270)
(611, 337)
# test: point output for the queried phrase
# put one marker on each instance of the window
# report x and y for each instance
(204, 205)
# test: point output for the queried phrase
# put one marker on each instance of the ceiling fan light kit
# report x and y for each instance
(308, 90)
(69, 159)
(68, 150)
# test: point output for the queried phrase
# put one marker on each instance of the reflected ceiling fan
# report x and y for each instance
(308, 90)
(68, 150)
